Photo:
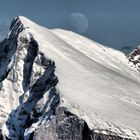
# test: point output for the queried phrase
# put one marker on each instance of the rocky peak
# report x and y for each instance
(29, 76)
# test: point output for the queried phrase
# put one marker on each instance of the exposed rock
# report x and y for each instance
(64, 126)
(134, 58)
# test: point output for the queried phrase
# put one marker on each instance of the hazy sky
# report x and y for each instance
(115, 23)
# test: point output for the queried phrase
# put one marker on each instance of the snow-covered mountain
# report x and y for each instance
(58, 85)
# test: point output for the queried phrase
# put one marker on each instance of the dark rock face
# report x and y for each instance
(1, 137)
(65, 126)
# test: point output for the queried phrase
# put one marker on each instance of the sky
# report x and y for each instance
(115, 23)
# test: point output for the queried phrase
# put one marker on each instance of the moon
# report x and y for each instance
(79, 22)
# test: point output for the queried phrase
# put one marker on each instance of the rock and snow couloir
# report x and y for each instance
(56, 84)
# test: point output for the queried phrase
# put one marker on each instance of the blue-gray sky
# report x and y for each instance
(115, 23)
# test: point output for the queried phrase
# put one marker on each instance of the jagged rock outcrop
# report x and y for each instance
(29, 81)
(134, 58)
(33, 108)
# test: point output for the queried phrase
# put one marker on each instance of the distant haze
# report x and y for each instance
(115, 23)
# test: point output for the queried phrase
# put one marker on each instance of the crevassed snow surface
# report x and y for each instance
(95, 81)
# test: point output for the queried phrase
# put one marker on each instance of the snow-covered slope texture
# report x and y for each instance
(56, 84)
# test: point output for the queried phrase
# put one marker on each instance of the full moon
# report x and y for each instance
(79, 22)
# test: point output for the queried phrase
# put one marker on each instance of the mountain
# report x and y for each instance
(58, 85)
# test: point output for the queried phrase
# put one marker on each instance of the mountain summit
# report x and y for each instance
(58, 85)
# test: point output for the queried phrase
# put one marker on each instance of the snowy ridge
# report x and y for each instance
(55, 77)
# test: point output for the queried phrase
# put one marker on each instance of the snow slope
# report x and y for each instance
(95, 82)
